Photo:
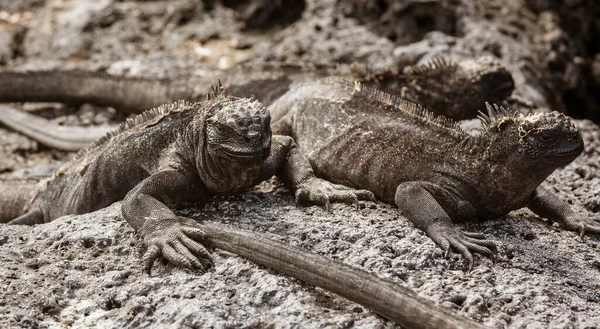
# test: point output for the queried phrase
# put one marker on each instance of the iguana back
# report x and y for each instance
(107, 170)
(457, 89)
(425, 164)
(359, 136)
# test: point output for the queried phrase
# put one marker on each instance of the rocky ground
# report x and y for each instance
(84, 271)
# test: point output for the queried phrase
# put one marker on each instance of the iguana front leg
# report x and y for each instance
(546, 204)
(295, 171)
(177, 239)
(426, 213)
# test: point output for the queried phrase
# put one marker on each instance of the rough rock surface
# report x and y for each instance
(84, 271)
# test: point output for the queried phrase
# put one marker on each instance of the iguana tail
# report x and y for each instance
(387, 298)
(16, 197)
(132, 95)
(66, 138)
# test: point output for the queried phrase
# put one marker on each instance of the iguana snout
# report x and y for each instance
(240, 130)
(550, 135)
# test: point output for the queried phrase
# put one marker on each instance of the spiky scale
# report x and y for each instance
(457, 89)
(413, 109)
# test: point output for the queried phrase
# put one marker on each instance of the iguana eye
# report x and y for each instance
(217, 128)
(546, 137)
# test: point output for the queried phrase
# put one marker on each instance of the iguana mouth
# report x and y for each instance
(569, 152)
(242, 153)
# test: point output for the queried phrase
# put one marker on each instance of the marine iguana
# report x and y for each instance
(170, 155)
(428, 166)
(187, 152)
(457, 89)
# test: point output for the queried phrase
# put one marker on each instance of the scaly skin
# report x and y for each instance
(386, 298)
(183, 152)
(457, 90)
(432, 170)
(187, 152)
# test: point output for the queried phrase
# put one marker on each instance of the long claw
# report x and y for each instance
(445, 244)
(319, 191)
(450, 238)
(582, 224)
(149, 257)
(185, 252)
(356, 203)
(207, 263)
(195, 233)
(486, 246)
(469, 257)
(365, 195)
(474, 235)
(174, 257)
(464, 251)
(196, 249)
(180, 241)
(479, 249)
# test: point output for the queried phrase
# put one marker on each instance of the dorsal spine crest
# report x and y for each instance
(497, 117)
(154, 115)
(143, 118)
(433, 65)
(216, 91)
(414, 110)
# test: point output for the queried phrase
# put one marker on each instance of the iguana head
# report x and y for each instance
(549, 136)
(239, 131)
(235, 141)
(536, 144)
(465, 85)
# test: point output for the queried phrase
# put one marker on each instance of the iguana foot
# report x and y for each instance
(581, 223)
(465, 243)
(322, 192)
(177, 243)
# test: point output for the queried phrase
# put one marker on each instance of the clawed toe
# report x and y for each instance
(474, 235)
(449, 238)
(464, 251)
(150, 256)
(582, 225)
(179, 246)
(324, 193)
